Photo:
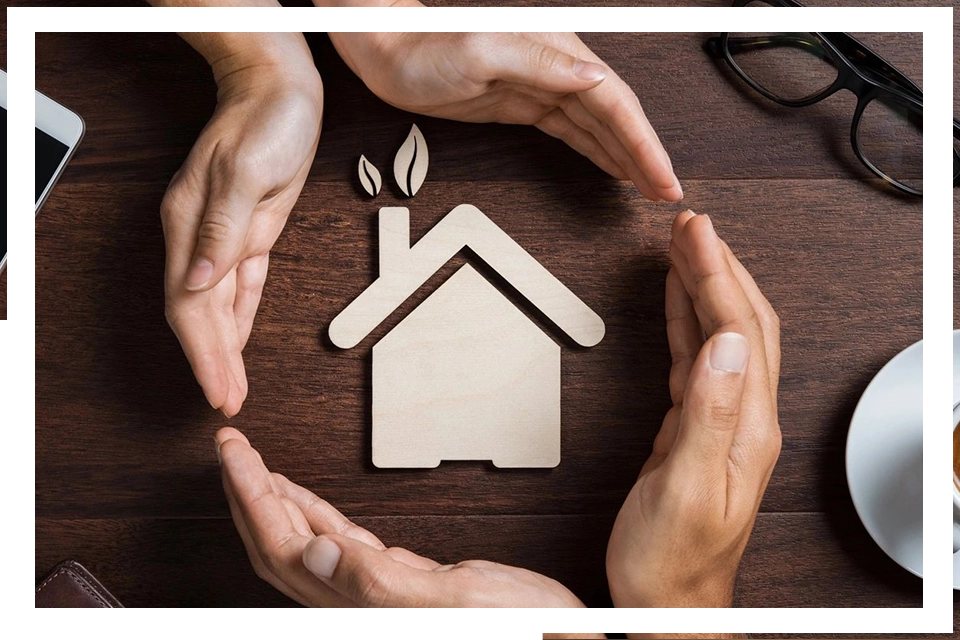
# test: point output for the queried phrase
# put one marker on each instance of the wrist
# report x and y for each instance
(694, 593)
(229, 53)
(243, 62)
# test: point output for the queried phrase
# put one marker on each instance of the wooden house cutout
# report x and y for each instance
(466, 375)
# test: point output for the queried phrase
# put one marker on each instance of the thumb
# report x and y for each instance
(369, 577)
(524, 61)
(711, 403)
(222, 233)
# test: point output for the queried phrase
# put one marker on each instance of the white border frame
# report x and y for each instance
(936, 23)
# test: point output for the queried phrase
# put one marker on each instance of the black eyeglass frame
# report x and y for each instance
(956, 154)
(856, 77)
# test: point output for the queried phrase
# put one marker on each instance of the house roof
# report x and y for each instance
(465, 226)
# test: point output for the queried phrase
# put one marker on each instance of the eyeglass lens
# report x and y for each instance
(796, 66)
(790, 66)
(890, 135)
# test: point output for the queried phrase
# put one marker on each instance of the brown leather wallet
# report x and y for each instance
(69, 585)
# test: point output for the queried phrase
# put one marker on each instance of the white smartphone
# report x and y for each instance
(58, 132)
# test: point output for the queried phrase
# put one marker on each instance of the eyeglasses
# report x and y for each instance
(800, 69)
(956, 153)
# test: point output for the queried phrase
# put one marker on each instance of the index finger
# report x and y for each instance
(618, 108)
(769, 320)
(718, 298)
(276, 539)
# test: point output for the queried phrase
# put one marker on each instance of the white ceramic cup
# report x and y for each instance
(956, 494)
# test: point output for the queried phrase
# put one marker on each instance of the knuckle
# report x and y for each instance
(546, 58)
(692, 502)
(170, 313)
(269, 559)
(754, 318)
(773, 442)
(769, 320)
(167, 210)
(774, 317)
(173, 204)
(373, 587)
(721, 410)
(261, 571)
(474, 46)
(217, 227)
(232, 163)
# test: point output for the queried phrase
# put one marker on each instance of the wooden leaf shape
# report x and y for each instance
(410, 164)
(369, 176)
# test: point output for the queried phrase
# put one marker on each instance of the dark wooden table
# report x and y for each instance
(126, 477)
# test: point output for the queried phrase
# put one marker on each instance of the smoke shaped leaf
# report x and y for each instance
(410, 164)
(369, 177)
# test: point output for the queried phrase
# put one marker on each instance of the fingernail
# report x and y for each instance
(321, 557)
(728, 352)
(200, 272)
(219, 459)
(589, 71)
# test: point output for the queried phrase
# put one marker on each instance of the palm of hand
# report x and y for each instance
(277, 519)
(661, 506)
(255, 153)
(446, 76)
(552, 81)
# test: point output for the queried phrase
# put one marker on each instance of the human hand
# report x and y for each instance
(550, 80)
(309, 551)
(679, 536)
(228, 203)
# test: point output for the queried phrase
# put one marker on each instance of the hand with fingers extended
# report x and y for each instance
(308, 550)
(550, 80)
(679, 536)
(228, 203)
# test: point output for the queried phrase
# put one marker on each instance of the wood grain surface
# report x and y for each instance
(126, 477)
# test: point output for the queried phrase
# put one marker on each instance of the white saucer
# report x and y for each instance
(885, 459)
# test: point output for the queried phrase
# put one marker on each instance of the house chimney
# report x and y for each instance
(394, 236)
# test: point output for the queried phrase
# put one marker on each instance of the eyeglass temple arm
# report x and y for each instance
(741, 45)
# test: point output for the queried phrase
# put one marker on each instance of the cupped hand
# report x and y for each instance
(550, 80)
(228, 203)
(679, 537)
(309, 551)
